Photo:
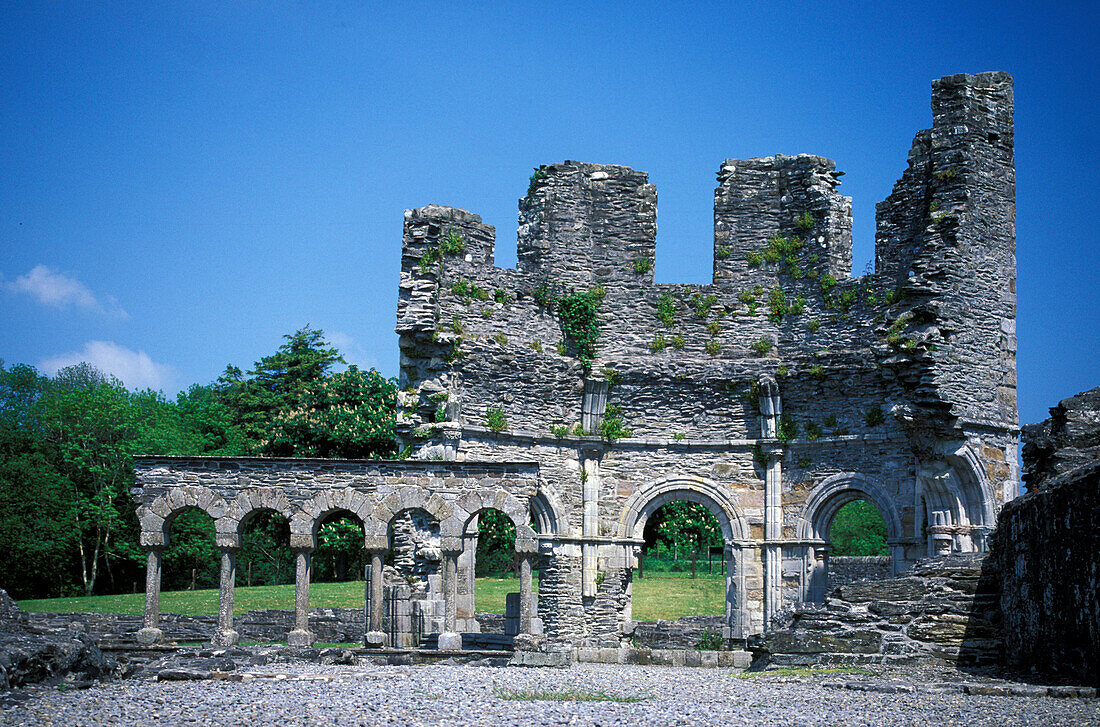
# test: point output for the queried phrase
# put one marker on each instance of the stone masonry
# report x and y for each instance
(1047, 548)
(773, 395)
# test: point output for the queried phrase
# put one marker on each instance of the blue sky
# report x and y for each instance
(186, 182)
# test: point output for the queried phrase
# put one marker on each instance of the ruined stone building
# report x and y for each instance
(578, 396)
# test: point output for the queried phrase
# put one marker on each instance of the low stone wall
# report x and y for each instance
(845, 569)
(263, 625)
(1047, 547)
(944, 611)
(683, 633)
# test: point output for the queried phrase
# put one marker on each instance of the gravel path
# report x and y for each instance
(311, 694)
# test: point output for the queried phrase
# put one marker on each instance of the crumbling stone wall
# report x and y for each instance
(944, 611)
(771, 395)
(847, 569)
(1047, 548)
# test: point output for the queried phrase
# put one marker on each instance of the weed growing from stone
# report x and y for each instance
(666, 310)
(495, 419)
(762, 345)
(642, 265)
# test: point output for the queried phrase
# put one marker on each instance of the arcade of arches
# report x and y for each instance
(419, 537)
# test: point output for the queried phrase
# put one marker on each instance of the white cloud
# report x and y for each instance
(352, 352)
(58, 290)
(133, 368)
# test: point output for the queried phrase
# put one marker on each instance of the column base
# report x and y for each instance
(450, 641)
(375, 639)
(150, 635)
(300, 637)
(225, 637)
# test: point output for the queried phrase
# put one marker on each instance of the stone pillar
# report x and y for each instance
(150, 633)
(590, 524)
(773, 532)
(225, 635)
(450, 640)
(526, 593)
(301, 636)
(375, 636)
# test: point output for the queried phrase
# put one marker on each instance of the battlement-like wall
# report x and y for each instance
(781, 378)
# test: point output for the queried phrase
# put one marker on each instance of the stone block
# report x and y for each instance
(450, 641)
(587, 654)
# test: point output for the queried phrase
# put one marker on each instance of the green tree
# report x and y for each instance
(339, 550)
(349, 414)
(37, 528)
(858, 529)
(277, 383)
(496, 543)
(688, 526)
(191, 550)
(91, 429)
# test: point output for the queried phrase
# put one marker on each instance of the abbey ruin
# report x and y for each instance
(578, 396)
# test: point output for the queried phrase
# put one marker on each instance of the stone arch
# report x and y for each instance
(156, 517)
(716, 498)
(472, 503)
(245, 506)
(546, 509)
(977, 488)
(836, 491)
(308, 518)
(409, 497)
(722, 503)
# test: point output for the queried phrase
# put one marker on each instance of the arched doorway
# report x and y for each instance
(720, 503)
(845, 495)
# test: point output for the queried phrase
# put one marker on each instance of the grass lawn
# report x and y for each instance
(654, 598)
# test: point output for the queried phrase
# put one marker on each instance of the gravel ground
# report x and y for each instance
(312, 694)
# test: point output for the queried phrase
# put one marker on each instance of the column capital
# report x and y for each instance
(230, 549)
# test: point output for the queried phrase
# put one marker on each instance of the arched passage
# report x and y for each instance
(825, 500)
(190, 559)
(722, 504)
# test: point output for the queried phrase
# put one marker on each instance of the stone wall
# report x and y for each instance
(770, 395)
(945, 611)
(845, 569)
(1047, 547)
(1068, 439)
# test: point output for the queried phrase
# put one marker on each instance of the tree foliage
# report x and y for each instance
(687, 526)
(858, 529)
(67, 520)
(496, 543)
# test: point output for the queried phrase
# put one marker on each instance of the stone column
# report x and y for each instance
(150, 633)
(450, 640)
(301, 636)
(773, 532)
(225, 635)
(375, 636)
(526, 593)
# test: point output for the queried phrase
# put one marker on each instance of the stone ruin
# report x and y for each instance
(578, 396)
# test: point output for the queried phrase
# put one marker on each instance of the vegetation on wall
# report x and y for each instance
(580, 324)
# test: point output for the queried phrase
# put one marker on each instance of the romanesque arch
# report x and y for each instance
(308, 517)
(838, 490)
(408, 497)
(722, 503)
(719, 500)
(472, 503)
(547, 512)
(156, 517)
